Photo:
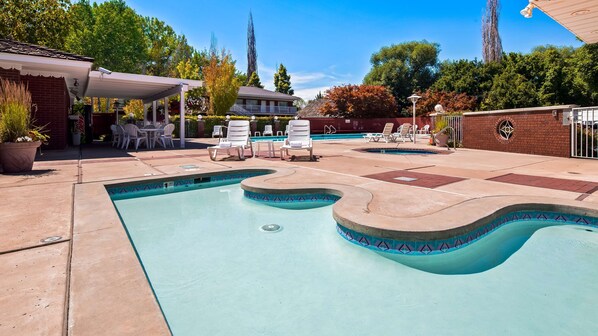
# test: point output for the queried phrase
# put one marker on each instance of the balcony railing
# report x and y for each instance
(249, 110)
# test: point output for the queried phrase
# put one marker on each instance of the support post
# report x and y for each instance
(182, 119)
(154, 108)
(166, 116)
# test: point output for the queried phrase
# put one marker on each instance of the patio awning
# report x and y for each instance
(579, 16)
(132, 86)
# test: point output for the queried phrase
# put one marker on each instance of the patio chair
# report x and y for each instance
(133, 134)
(424, 130)
(385, 135)
(123, 136)
(286, 130)
(268, 130)
(217, 132)
(116, 136)
(402, 132)
(237, 137)
(166, 137)
(299, 139)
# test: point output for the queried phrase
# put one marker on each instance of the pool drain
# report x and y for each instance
(271, 228)
(51, 239)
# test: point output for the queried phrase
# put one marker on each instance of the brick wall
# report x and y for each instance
(362, 125)
(10, 74)
(51, 97)
(535, 131)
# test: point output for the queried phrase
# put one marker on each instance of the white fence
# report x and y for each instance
(584, 132)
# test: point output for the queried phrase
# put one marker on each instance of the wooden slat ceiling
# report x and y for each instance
(578, 16)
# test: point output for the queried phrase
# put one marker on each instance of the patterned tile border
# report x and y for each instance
(131, 189)
(448, 245)
(290, 198)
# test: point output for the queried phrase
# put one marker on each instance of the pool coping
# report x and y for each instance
(103, 255)
(435, 151)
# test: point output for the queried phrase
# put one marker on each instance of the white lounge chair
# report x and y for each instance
(299, 138)
(402, 133)
(385, 135)
(268, 130)
(166, 137)
(133, 134)
(237, 137)
(217, 132)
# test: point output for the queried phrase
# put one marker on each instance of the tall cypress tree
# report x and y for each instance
(491, 43)
(282, 81)
(251, 50)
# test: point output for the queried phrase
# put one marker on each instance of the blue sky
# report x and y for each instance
(327, 43)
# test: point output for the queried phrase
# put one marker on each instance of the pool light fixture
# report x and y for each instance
(527, 11)
(413, 98)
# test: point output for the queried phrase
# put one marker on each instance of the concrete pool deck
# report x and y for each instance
(89, 281)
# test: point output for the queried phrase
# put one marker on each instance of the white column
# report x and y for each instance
(272, 107)
(182, 108)
(166, 117)
(154, 109)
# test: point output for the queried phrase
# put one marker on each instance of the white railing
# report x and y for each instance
(263, 110)
(584, 132)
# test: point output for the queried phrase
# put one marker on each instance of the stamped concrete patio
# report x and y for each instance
(86, 280)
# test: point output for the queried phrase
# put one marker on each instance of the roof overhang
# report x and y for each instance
(75, 73)
(579, 16)
(132, 86)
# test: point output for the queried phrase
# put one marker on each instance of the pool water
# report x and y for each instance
(215, 272)
(314, 137)
(399, 151)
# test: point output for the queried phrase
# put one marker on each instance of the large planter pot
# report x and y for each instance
(17, 157)
(441, 139)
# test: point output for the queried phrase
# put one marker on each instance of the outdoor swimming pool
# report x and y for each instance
(314, 137)
(216, 272)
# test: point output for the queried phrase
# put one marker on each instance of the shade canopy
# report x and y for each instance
(578, 16)
(132, 86)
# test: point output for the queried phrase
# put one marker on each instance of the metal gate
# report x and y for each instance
(584, 132)
(456, 122)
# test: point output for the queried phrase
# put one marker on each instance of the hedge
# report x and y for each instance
(211, 121)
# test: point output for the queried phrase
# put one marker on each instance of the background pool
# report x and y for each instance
(215, 273)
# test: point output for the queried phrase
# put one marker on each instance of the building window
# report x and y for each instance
(251, 102)
(285, 104)
(239, 102)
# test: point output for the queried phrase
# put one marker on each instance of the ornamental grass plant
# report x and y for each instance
(16, 123)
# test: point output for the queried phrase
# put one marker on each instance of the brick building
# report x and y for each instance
(54, 79)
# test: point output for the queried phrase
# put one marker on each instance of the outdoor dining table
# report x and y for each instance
(152, 135)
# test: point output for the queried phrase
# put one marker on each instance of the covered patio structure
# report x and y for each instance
(150, 89)
(579, 16)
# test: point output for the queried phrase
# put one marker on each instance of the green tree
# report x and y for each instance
(221, 84)
(583, 66)
(404, 68)
(511, 88)
(188, 70)
(254, 80)
(162, 44)
(43, 22)
(116, 40)
(282, 81)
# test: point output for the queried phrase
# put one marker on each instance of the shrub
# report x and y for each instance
(359, 101)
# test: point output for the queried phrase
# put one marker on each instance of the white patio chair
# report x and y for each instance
(133, 134)
(237, 137)
(166, 137)
(424, 130)
(217, 132)
(123, 136)
(299, 139)
(268, 130)
(286, 130)
(116, 136)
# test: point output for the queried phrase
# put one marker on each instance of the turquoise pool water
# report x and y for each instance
(215, 272)
(315, 137)
(399, 151)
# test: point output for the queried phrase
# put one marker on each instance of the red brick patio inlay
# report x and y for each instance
(584, 187)
(423, 180)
